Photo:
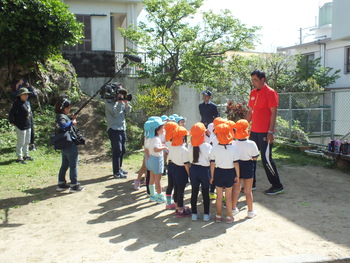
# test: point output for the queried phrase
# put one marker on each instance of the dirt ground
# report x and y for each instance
(110, 222)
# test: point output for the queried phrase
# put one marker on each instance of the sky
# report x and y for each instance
(280, 20)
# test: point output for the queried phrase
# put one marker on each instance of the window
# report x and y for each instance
(347, 60)
(86, 41)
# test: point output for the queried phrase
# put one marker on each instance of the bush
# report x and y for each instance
(297, 133)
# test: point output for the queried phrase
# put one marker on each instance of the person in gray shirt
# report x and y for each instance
(116, 128)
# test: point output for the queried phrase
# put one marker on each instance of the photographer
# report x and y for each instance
(116, 106)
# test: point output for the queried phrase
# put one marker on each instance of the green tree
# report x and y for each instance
(313, 69)
(33, 30)
(190, 53)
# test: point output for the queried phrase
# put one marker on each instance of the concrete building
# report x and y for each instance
(331, 41)
(100, 54)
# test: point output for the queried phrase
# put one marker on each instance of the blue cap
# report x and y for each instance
(175, 115)
(172, 118)
(164, 117)
(151, 125)
(179, 118)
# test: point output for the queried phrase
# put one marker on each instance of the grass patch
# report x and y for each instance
(291, 156)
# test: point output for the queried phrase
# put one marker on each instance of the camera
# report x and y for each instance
(111, 91)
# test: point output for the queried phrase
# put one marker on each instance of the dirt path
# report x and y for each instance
(109, 222)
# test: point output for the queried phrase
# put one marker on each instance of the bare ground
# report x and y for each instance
(110, 222)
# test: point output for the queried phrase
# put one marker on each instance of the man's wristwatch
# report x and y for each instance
(272, 132)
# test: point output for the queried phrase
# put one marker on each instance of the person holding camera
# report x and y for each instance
(116, 108)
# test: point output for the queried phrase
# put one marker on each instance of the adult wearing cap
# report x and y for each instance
(262, 114)
(199, 152)
(116, 129)
(20, 117)
(207, 109)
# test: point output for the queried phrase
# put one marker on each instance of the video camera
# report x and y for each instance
(111, 91)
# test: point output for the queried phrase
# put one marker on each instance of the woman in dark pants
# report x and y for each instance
(69, 153)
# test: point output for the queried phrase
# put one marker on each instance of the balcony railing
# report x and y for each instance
(133, 69)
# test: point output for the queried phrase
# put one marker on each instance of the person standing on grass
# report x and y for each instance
(248, 154)
(262, 114)
(69, 153)
(20, 117)
(224, 170)
(199, 152)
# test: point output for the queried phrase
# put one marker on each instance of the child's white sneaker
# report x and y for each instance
(251, 214)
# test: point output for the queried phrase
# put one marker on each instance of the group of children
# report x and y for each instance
(221, 155)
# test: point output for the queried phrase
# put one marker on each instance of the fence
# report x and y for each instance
(313, 117)
(133, 69)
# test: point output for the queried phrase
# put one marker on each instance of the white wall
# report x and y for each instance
(186, 103)
(100, 25)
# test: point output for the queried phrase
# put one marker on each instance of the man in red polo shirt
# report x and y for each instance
(262, 113)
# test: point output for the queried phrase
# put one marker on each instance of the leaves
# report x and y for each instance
(32, 30)
(191, 46)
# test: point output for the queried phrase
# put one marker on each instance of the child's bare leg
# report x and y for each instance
(157, 179)
(228, 194)
(142, 170)
(248, 183)
(218, 200)
(236, 189)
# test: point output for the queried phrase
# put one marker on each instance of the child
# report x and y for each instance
(162, 137)
(154, 157)
(214, 141)
(169, 127)
(248, 154)
(179, 157)
(180, 120)
(224, 169)
(199, 152)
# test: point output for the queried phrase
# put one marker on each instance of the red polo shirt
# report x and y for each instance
(261, 101)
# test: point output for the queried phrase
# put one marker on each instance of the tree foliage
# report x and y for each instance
(283, 73)
(190, 53)
(32, 30)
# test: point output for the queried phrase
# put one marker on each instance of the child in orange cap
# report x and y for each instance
(169, 127)
(224, 169)
(248, 154)
(199, 152)
(214, 141)
(179, 157)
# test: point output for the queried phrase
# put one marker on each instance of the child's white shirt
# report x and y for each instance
(204, 154)
(224, 157)
(151, 143)
(247, 149)
(179, 155)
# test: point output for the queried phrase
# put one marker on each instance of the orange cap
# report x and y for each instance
(178, 135)
(197, 131)
(223, 133)
(242, 131)
(218, 120)
(169, 127)
(231, 124)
